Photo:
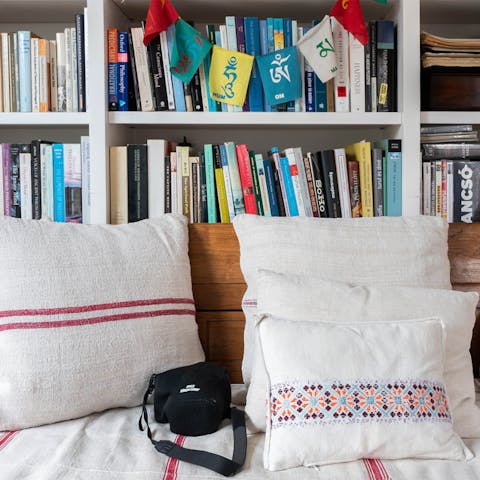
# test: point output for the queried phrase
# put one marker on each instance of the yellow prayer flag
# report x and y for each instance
(229, 76)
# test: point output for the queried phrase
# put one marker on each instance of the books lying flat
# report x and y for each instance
(430, 59)
(449, 137)
(434, 42)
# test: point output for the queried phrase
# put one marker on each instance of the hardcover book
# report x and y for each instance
(466, 184)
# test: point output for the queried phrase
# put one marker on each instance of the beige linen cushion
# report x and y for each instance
(88, 313)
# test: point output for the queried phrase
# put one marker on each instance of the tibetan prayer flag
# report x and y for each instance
(318, 49)
(161, 14)
(229, 76)
(189, 50)
(349, 15)
(280, 74)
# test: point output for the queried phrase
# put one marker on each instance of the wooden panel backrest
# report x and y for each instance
(218, 287)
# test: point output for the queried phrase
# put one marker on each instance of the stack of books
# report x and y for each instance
(221, 181)
(40, 75)
(42, 180)
(451, 172)
(139, 77)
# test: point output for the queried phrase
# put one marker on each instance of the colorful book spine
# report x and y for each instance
(44, 88)
(177, 84)
(361, 151)
(262, 184)
(274, 155)
(48, 206)
(256, 183)
(220, 183)
(58, 183)
(122, 72)
(87, 191)
(15, 180)
(394, 178)
(354, 183)
(246, 179)
(278, 44)
(311, 188)
(377, 172)
(36, 194)
(231, 32)
(341, 81)
(235, 181)
(210, 182)
(264, 49)
(297, 186)
(252, 46)
(272, 195)
(309, 82)
(7, 188)
(241, 47)
(73, 182)
(73, 60)
(342, 181)
(61, 73)
(112, 46)
(228, 182)
(203, 190)
(289, 191)
(25, 158)
(318, 184)
(24, 70)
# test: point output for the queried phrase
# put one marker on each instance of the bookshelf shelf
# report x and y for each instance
(278, 119)
(44, 119)
(449, 117)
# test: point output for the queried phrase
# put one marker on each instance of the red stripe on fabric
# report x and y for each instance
(366, 463)
(92, 308)
(171, 469)
(5, 440)
(95, 320)
(376, 469)
(385, 474)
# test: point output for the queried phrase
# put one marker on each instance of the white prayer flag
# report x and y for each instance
(318, 48)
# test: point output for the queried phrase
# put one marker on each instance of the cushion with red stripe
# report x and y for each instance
(88, 313)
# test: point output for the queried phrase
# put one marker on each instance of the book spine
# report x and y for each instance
(444, 189)
(26, 182)
(73, 183)
(289, 190)
(342, 180)
(212, 39)
(460, 150)
(154, 51)
(15, 180)
(5, 67)
(278, 44)
(143, 73)
(204, 87)
(47, 192)
(134, 99)
(438, 188)
(368, 73)
(256, 183)
(252, 46)
(302, 180)
(466, 191)
(297, 188)
(394, 178)
(58, 183)
(275, 157)
(300, 102)
(377, 167)
(183, 179)
(288, 42)
(235, 181)
(194, 197)
(68, 70)
(43, 179)
(331, 184)
(311, 188)
(118, 185)
(262, 184)
(426, 186)
(202, 177)
(7, 185)
(241, 47)
(61, 73)
(231, 34)
(44, 94)
(385, 67)
(433, 188)
(220, 183)
(74, 70)
(137, 182)
(196, 92)
(87, 192)
(168, 185)
(357, 75)
(228, 182)
(156, 150)
(2, 188)
(36, 194)
(272, 194)
(168, 76)
(82, 89)
(173, 183)
(282, 204)
(24, 71)
(450, 192)
(354, 183)
(210, 181)
(15, 86)
(122, 58)
(246, 179)
(318, 184)
(372, 31)
(342, 94)
(263, 28)
(35, 69)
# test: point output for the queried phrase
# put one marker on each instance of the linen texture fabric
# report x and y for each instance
(402, 251)
(88, 313)
(311, 297)
(345, 391)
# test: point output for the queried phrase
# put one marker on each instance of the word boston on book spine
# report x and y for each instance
(254, 65)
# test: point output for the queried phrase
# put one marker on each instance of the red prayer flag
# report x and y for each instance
(161, 14)
(349, 15)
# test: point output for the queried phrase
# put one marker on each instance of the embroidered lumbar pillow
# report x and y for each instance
(340, 392)
(311, 297)
(408, 251)
(88, 313)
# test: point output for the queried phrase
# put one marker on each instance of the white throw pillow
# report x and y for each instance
(344, 391)
(88, 313)
(311, 297)
(408, 251)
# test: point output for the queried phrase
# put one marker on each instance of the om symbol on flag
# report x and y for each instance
(230, 73)
(276, 73)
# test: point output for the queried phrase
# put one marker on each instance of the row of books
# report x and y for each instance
(139, 77)
(451, 172)
(43, 180)
(225, 180)
(40, 75)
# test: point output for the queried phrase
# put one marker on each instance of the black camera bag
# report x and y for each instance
(195, 399)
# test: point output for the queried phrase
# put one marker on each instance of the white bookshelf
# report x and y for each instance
(260, 130)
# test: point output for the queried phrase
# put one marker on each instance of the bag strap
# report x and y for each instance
(212, 461)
